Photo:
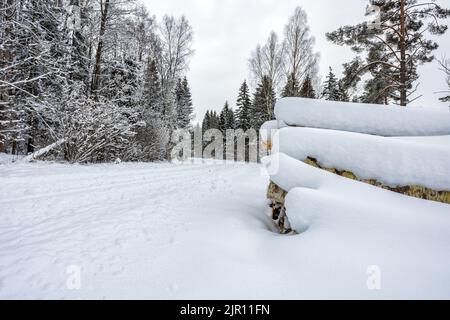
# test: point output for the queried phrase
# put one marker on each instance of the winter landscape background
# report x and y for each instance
(215, 149)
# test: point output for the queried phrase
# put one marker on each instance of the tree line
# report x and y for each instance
(103, 79)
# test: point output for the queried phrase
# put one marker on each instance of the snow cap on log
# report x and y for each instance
(364, 118)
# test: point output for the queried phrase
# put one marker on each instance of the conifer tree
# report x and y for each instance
(152, 93)
(244, 105)
(307, 90)
(395, 44)
(183, 103)
(343, 93)
(263, 103)
(210, 121)
(292, 87)
(206, 121)
(188, 108)
(214, 122)
(331, 87)
(227, 120)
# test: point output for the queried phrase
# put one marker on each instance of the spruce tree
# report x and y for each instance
(343, 93)
(263, 103)
(188, 109)
(244, 105)
(206, 122)
(226, 118)
(214, 122)
(292, 87)
(152, 93)
(307, 90)
(183, 99)
(331, 87)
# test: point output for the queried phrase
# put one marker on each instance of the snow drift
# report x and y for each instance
(364, 118)
(392, 161)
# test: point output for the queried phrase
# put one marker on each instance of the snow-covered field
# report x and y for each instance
(202, 231)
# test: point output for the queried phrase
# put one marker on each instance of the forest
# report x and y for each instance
(88, 81)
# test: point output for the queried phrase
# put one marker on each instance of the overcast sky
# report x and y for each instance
(226, 31)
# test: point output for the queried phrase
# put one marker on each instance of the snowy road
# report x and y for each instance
(198, 231)
(134, 230)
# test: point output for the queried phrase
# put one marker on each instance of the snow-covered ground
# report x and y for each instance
(201, 231)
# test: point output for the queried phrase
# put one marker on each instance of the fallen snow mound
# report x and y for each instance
(392, 161)
(364, 118)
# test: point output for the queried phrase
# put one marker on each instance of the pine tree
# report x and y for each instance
(307, 90)
(226, 118)
(244, 105)
(152, 93)
(343, 93)
(152, 137)
(188, 109)
(374, 89)
(214, 121)
(206, 122)
(121, 84)
(210, 121)
(184, 104)
(263, 104)
(292, 87)
(179, 100)
(395, 45)
(331, 87)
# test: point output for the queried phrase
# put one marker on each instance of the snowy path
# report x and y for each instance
(197, 231)
(136, 230)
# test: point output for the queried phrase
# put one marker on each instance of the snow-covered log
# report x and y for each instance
(381, 218)
(291, 173)
(42, 151)
(364, 118)
(391, 161)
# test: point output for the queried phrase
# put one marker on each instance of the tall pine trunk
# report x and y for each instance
(98, 57)
(403, 71)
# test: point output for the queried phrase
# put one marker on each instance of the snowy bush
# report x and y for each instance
(95, 131)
